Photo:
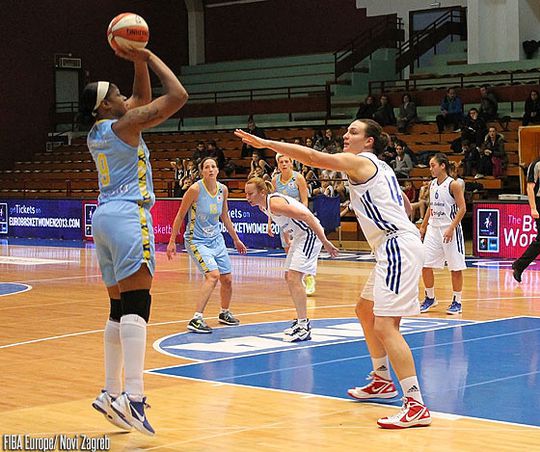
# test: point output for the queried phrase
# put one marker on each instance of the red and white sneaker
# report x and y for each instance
(378, 388)
(412, 414)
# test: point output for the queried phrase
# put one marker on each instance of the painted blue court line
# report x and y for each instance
(462, 369)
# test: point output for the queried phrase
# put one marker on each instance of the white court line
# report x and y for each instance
(81, 333)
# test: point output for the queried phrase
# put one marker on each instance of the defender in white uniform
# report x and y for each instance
(443, 236)
(392, 289)
(296, 219)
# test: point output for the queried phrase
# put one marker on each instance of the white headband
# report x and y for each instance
(102, 88)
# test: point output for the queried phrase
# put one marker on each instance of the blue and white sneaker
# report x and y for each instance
(454, 308)
(103, 404)
(428, 304)
(133, 413)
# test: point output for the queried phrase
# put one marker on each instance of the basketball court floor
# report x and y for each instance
(243, 388)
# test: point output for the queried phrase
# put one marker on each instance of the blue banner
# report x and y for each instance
(251, 225)
(326, 209)
(44, 219)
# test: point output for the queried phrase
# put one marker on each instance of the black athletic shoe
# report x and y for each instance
(198, 326)
(228, 318)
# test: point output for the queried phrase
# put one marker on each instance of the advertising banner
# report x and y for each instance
(502, 229)
(163, 213)
(38, 218)
(251, 225)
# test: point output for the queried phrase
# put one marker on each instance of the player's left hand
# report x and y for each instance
(447, 235)
(240, 247)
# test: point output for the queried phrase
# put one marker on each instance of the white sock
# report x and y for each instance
(224, 310)
(457, 296)
(198, 315)
(113, 358)
(430, 292)
(411, 388)
(133, 337)
(303, 321)
(381, 367)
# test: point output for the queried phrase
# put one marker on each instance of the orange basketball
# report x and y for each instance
(127, 30)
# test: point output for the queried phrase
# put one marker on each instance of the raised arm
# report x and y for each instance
(281, 207)
(129, 126)
(142, 90)
(358, 169)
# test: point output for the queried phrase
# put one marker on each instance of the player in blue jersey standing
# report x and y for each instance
(122, 224)
(391, 291)
(204, 203)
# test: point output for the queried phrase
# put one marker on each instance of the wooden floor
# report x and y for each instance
(51, 360)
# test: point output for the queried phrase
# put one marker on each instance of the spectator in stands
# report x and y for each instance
(216, 153)
(451, 111)
(253, 130)
(493, 158)
(388, 154)
(384, 114)
(327, 185)
(200, 152)
(259, 167)
(532, 109)
(402, 164)
(422, 204)
(474, 128)
(192, 170)
(407, 113)
(330, 143)
(367, 108)
(309, 143)
(318, 140)
(488, 104)
(178, 175)
(312, 179)
(409, 191)
(471, 156)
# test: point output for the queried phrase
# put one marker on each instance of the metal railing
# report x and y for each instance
(453, 22)
(387, 32)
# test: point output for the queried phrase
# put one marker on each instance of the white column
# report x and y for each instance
(195, 9)
(493, 30)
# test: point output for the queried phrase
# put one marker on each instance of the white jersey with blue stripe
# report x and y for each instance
(124, 171)
(442, 205)
(378, 204)
(289, 187)
(203, 215)
(296, 228)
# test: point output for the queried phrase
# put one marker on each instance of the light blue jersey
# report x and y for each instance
(289, 187)
(203, 216)
(203, 239)
(124, 171)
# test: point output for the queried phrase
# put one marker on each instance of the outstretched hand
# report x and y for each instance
(251, 140)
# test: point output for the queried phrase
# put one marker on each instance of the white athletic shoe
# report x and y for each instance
(103, 404)
(133, 413)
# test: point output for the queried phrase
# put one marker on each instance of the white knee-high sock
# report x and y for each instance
(113, 358)
(133, 337)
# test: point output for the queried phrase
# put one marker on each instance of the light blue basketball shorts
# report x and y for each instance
(124, 239)
(210, 255)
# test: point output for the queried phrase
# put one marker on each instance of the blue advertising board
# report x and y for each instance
(251, 225)
(44, 219)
